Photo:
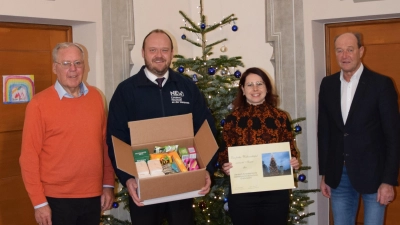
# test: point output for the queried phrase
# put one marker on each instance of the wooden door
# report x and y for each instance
(381, 39)
(24, 49)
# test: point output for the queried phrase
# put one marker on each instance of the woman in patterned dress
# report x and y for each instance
(256, 120)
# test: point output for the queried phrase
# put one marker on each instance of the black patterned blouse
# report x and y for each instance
(255, 124)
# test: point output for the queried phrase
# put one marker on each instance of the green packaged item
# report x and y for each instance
(167, 148)
(141, 155)
(183, 153)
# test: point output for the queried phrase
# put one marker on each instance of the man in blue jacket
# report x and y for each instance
(156, 91)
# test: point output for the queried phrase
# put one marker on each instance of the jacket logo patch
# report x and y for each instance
(176, 97)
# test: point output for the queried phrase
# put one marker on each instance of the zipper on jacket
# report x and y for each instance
(162, 103)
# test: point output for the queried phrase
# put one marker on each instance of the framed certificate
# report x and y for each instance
(262, 167)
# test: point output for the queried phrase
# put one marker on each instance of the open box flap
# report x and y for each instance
(124, 156)
(205, 143)
(161, 129)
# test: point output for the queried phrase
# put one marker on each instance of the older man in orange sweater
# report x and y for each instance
(64, 158)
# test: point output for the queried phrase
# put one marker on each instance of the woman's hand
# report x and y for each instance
(226, 167)
(295, 163)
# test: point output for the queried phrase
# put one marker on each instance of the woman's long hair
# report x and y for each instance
(270, 97)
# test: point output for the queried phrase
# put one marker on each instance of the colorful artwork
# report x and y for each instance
(18, 88)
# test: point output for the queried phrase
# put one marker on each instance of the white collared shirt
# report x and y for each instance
(63, 93)
(348, 89)
(153, 77)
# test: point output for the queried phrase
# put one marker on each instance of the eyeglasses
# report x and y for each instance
(258, 84)
(68, 64)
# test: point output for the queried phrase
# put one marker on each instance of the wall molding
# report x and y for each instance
(118, 42)
(285, 33)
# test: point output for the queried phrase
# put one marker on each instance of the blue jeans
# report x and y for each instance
(344, 201)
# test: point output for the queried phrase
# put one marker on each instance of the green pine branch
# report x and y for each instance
(297, 120)
(194, 27)
(223, 22)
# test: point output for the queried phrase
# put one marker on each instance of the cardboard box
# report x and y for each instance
(160, 132)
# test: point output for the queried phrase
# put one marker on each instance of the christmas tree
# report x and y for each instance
(217, 80)
(273, 168)
(218, 83)
(215, 77)
(299, 198)
(219, 89)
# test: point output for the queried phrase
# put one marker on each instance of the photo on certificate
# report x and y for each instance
(276, 164)
(263, 167)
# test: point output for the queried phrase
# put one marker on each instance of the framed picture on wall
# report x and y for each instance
(18, 88)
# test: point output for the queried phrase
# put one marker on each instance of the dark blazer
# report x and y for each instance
(369, 142)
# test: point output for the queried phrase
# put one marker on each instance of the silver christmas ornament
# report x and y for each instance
(226, 206)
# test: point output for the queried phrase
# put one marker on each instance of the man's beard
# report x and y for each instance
(155, 70)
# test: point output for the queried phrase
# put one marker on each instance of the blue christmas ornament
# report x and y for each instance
(235, 28)
(237, 74)
(181, 69)
(194, 77)
(302, 177)
(183, 36)
(222, 122)
(115, 205)
(203, 26)
(297, 128)
(225, 199)
(217, 165)
(211, 71)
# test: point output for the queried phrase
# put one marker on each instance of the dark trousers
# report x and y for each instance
(75, 211)
(259, 208)
(176, 213)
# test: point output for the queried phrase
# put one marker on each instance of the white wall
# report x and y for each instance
(85, 17)
(316, 14)
(248, 41)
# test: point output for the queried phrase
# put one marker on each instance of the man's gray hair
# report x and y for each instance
(63, 45)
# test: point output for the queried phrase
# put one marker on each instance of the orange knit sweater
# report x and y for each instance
(64, 153)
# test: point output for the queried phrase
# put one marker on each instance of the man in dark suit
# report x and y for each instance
(358, 136)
